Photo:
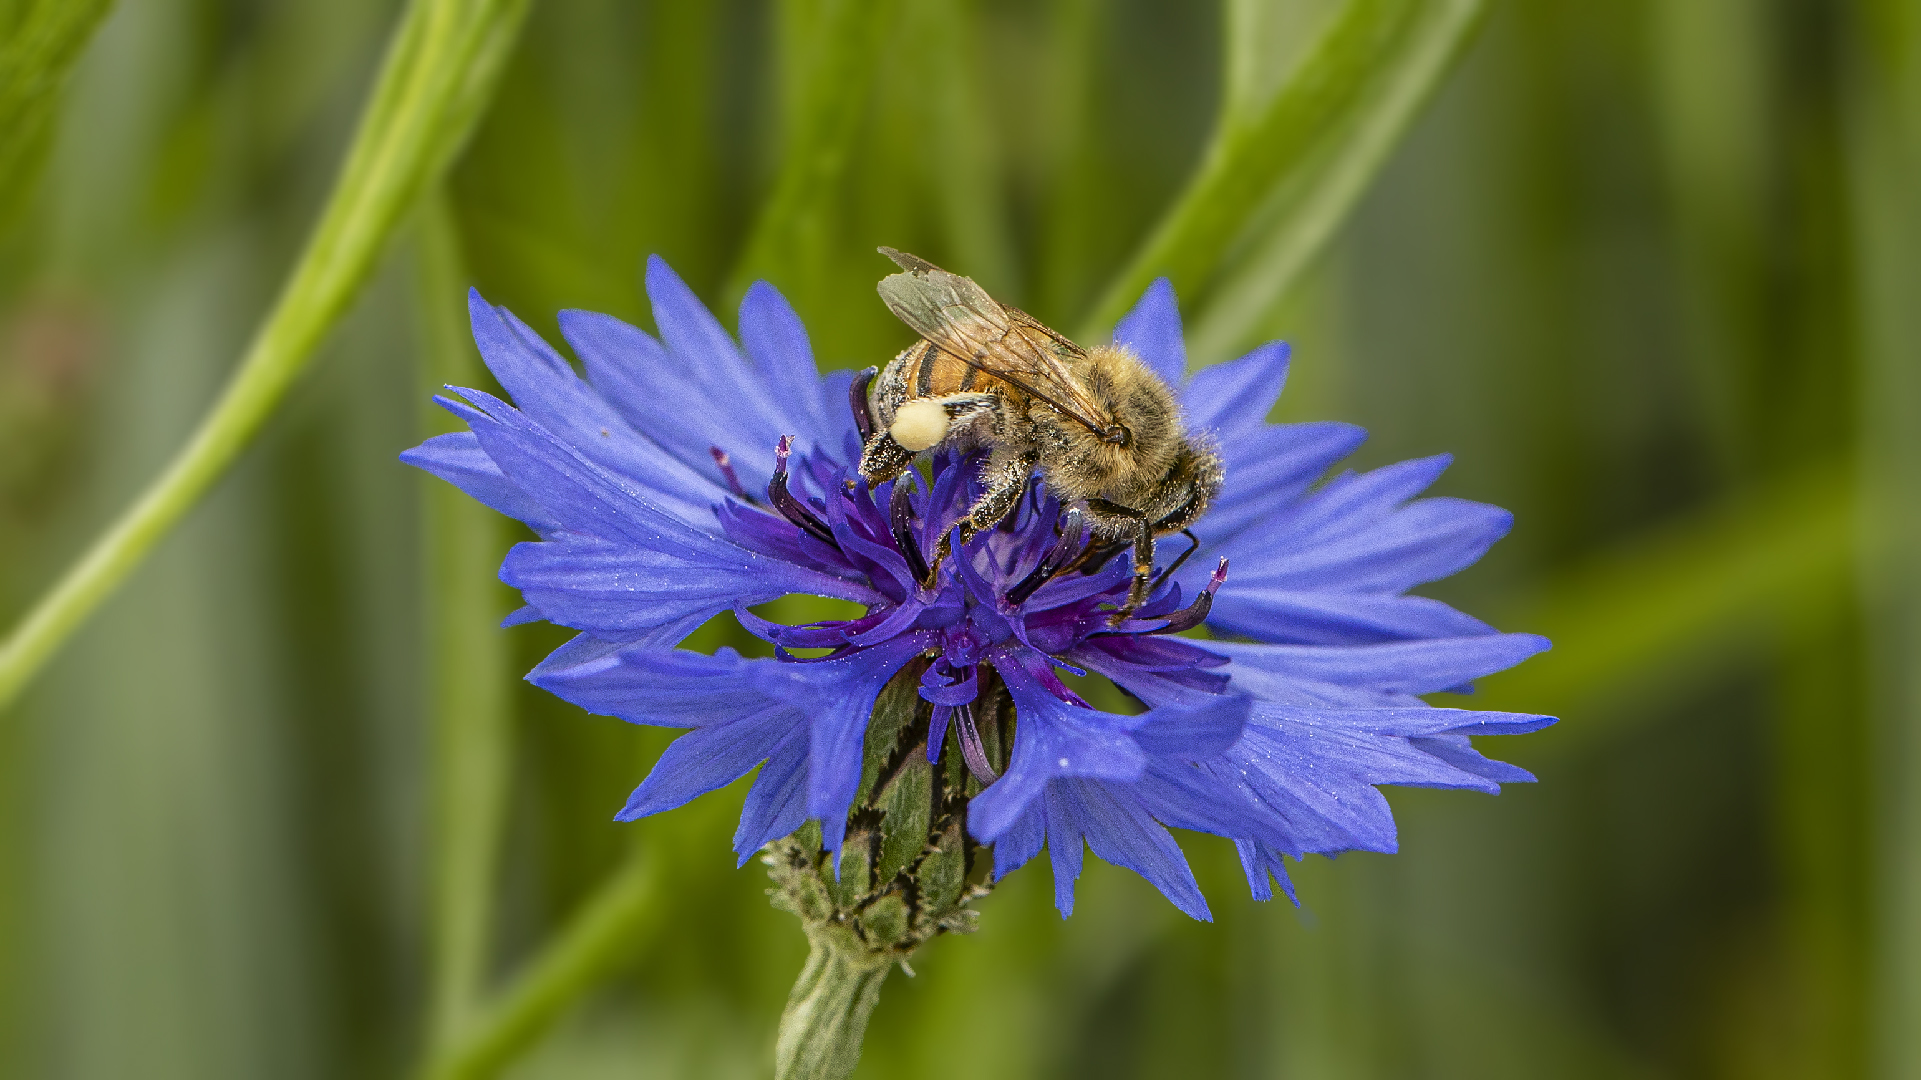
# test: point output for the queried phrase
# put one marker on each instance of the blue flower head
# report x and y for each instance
(689, 475)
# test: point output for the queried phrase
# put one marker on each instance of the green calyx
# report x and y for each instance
(907, 872)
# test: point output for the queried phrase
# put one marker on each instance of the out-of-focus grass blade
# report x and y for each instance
(1711, 91)
(830, 51)
(572, 963)
(1730, 179)
(1884, 159)
(1284, 168)
(437, 77)
(467, 651)
(1311, 205)
(36, 52)
(1681, 603)
(972, 206)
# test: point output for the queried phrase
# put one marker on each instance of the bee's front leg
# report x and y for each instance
(1143, 571)
(1143, 545)
(882, 459)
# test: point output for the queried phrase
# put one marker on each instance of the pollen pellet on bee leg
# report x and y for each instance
(919, 424)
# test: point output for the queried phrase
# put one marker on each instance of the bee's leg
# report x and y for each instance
(1143, 544)
(923, 423)
(1143, 570)
(1006, 483)
(918, 425)
(882, 459)
(1193, 545)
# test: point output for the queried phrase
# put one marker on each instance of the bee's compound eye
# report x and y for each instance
(919, 424)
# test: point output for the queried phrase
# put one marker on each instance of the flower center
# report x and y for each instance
(1036, 591)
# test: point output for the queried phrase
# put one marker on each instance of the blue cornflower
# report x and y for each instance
(686, 476)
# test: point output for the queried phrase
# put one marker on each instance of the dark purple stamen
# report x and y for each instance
(1064, 549)
(727, 472)
(1195, 613)
(972, 752)
(791, 508)
(900, 522)
(857, 400)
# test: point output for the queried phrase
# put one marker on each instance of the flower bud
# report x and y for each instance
(907, 868)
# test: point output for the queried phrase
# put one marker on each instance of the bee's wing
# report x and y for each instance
(961, 319)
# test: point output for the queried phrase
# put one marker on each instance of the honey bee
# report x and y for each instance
(1099, 427)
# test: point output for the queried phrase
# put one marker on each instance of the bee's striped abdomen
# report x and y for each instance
(938, 373)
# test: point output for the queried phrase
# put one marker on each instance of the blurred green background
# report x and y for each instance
(1637, 263)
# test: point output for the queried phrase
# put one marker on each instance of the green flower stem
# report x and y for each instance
(606, 930)
(899, 879)
(826, 1014)
(438, 75)
(1299, 158)
(468, 657)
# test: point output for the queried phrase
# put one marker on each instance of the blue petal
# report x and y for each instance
(1232, 400)
(1182, 796)
(1020, 841)
(1327, 618)
(662, 687)
(1424, 541)
(777, 803)
(697, 393)
(1312, 804)
(695, 338)
(777, 341)
(545, 388)
(458, 459)
(614, 589)
(1335, 748)
(1120, 830)
(571, 488)
(1152, 331)
(1455, 749)
(1193, 733)
(1258, 860)
(1406, 667)
(707, 758)
(1064, 847)
(1358, 499)
(1268, 470)
(666, 400)
(1312, 772)
(1407, 721)
(1052, 741)
(840, 703)
(742, 710)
